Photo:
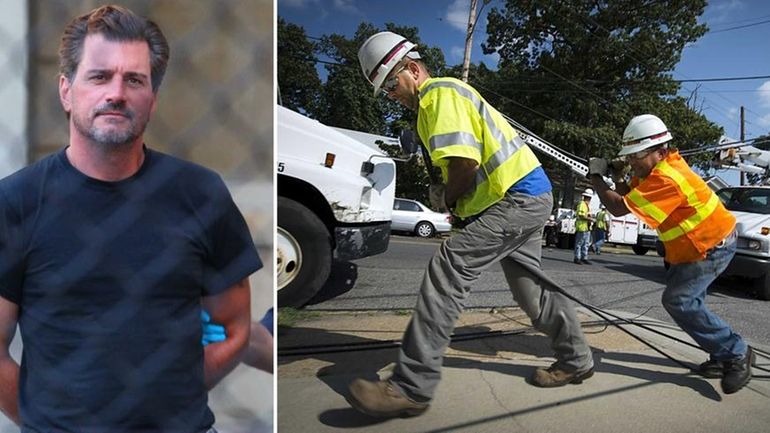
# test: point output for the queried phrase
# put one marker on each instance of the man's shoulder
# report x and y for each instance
(189, 170)
(27, 176)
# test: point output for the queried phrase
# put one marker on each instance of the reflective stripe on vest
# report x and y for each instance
(507, 150)
(702, 210)
(507, 147)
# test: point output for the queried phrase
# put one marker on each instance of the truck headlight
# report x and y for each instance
(755, 245)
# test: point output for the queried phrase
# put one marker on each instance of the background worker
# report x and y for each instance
(583, 220)
(493, 179)
(601, 228)
(698, 234)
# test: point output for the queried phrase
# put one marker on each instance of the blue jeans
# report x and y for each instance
(598, 240)
(582, 240)
(684, 299)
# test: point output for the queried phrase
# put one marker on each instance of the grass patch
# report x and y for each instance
(289, 316)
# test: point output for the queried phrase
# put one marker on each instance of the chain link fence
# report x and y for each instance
(215, 108)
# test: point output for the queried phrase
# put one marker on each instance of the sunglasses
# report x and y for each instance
(391, 83)
(638, 155)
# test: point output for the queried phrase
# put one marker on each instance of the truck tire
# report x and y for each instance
(424, 229)
(763, 287)
(640, 250)
(304, 253)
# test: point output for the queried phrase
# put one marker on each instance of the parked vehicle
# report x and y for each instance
(751, 207)
(335, 198)
(414, 217)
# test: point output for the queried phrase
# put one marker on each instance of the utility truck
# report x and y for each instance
(335, 198)
(751, 207)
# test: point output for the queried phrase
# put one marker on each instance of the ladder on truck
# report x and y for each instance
(627, 230)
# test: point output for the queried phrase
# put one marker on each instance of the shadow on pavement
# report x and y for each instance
(342, 367)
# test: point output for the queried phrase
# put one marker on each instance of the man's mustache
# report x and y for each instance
(111, 108)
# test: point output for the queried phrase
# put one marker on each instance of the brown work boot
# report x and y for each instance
(382, 399)
(554, 376)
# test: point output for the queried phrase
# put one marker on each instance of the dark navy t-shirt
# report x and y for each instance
(109, 277)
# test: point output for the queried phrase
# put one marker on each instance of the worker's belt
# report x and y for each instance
(729, 238)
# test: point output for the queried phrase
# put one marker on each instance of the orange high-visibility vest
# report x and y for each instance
(689, 218)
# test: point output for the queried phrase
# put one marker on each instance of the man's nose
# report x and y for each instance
(116, 91)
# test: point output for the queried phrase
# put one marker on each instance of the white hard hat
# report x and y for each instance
(381, 53)
(643, 132)
(588, 193)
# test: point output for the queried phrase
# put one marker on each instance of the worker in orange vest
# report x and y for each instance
(698, 234)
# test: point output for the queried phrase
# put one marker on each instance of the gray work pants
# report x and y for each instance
(508, 232)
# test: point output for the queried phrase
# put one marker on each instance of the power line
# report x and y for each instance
(729, 23)
(739, 27)
(726, 116)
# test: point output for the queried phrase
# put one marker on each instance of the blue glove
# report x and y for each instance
(212, 332)
(267, 320)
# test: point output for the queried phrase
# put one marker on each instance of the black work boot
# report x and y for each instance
(737, 373)
(712, 369)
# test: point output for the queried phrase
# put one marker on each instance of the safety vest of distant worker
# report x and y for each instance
(601, 220)
(453, 120)
(582, 222)
(688, 216)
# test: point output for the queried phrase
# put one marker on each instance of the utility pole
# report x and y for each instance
(743, 137)
(469, 40)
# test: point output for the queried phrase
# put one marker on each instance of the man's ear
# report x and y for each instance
(414, 69)
(65, 93)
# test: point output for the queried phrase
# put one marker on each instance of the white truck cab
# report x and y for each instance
(751, 207)
(335, 198)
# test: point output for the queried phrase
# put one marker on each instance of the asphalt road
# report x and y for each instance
(617, 280)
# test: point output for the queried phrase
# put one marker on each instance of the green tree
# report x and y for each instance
(576, 72)
(298, 84)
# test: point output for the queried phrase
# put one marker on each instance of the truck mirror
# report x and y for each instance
(409, 142)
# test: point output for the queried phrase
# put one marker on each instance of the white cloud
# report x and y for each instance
(764, 121)
(457, 53)
(457, 14)
(719, 12)
(763, 93)
(348, 6)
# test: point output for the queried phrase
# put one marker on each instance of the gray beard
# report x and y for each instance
(110, 138)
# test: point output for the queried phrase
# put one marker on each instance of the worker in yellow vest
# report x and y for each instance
(698, 234)
(494, 180)
(601, 229)
(583, 221)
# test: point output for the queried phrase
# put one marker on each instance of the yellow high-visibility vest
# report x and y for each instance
(581, 222)
(453, 120)
(601, 220)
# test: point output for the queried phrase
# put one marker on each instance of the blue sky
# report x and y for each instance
(731, 53)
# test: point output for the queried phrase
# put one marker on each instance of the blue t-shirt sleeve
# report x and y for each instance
(231, 255)
(11, 261)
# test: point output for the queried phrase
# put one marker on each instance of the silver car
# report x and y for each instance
(413, 216)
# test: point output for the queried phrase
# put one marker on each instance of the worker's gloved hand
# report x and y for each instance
(618, 169)
(212, 332)
(436, 193)
(597, 166)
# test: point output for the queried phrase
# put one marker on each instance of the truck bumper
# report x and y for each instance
(747, 266)
(647, 241)
(355, 242)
